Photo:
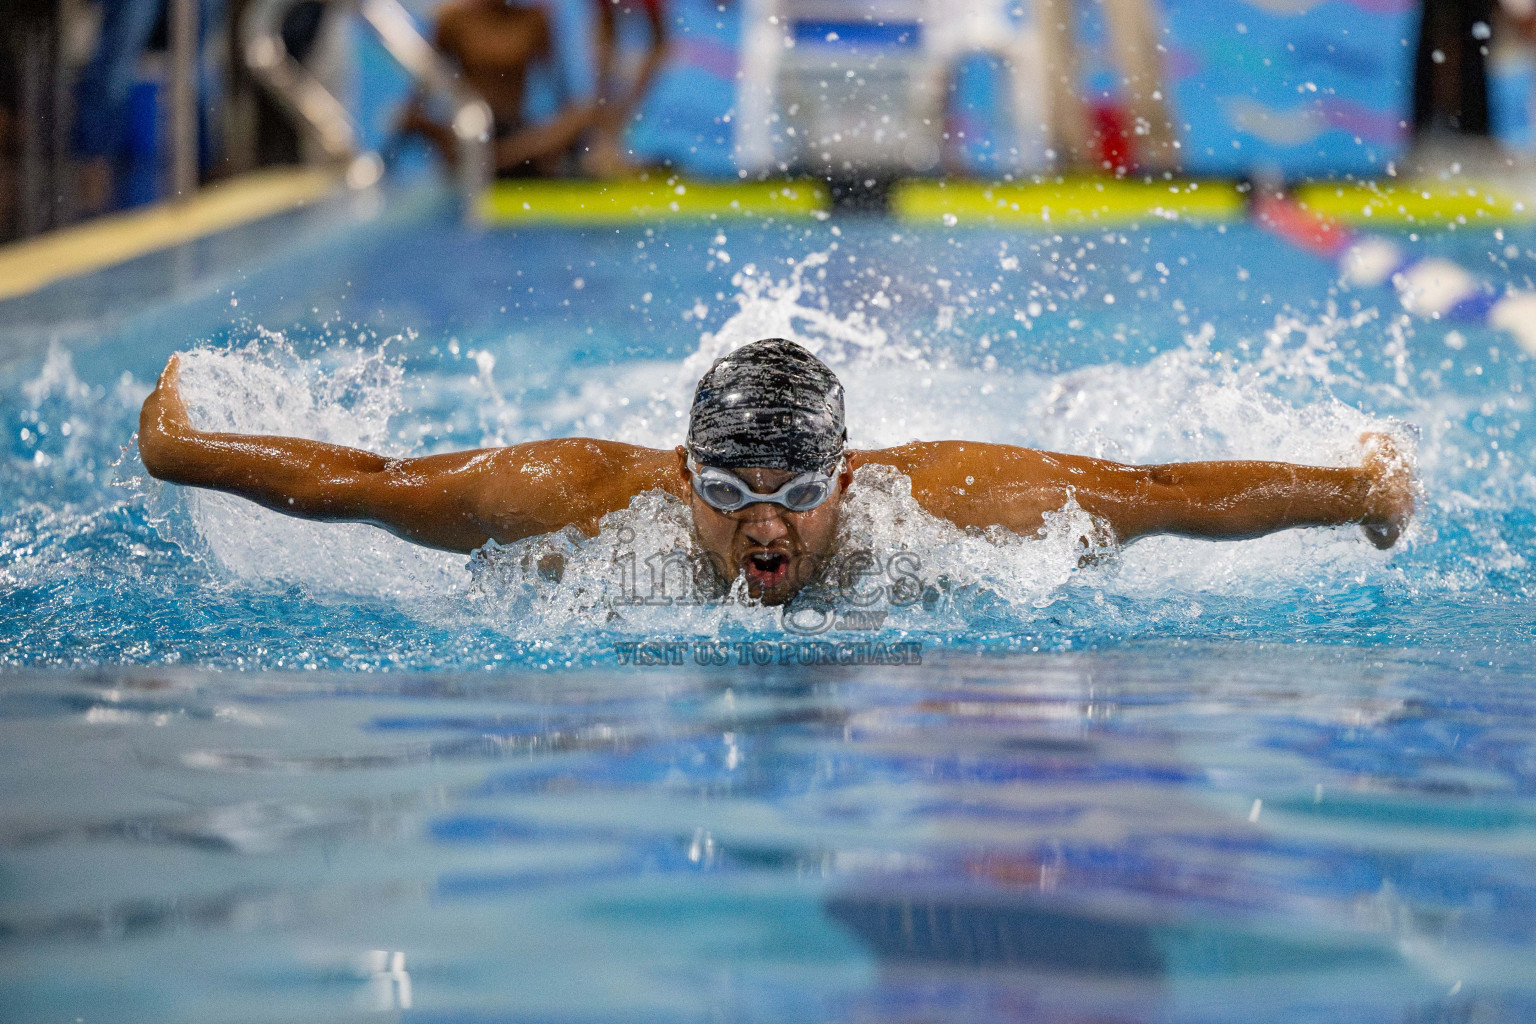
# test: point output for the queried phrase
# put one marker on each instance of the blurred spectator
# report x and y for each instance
(496, 44)
(102, 121)
(1139, 132)
(617, 98)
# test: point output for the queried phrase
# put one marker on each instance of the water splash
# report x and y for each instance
(348, 396)
(1303, 390)
(902, 568)
(1273, 398)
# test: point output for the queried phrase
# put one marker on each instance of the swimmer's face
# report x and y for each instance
(778, 551)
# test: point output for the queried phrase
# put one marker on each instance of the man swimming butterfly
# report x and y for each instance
(764, 470)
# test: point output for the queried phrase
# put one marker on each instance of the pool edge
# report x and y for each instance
(34, 263)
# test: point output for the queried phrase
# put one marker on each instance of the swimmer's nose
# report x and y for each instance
(765, 527)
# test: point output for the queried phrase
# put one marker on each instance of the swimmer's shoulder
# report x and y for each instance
(974, 483)
(941, 460)
(589, 462)
(575, 481)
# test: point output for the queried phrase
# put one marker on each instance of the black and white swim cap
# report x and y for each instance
(771, 404)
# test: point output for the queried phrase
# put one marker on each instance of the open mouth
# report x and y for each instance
(767, 568)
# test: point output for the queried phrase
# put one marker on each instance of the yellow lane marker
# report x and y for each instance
(659, 198)
(1068, 203)
(1409, 204)
(30, 264)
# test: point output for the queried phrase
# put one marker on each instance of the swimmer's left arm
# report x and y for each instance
(980, 485)
(1239, 500)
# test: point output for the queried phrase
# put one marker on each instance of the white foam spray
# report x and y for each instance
(349, 397)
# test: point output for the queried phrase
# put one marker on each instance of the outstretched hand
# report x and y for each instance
(1390, 499)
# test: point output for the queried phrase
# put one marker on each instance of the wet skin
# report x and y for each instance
(458, 501)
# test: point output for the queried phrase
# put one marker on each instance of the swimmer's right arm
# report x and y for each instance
(455, 501)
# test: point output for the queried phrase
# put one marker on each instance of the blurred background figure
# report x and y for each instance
(497, 45)
(117, 111)
(857, 92)
(619, 95)
(1135, 133)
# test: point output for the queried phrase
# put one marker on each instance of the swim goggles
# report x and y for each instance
(724, 491)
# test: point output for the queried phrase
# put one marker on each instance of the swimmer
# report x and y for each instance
(764, 470)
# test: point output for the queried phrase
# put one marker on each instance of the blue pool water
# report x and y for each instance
(258, 769)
